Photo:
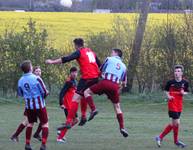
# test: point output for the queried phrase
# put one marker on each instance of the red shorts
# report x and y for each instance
(33, 115)
(107, 87)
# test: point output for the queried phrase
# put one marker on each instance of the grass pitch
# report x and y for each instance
(144, 120)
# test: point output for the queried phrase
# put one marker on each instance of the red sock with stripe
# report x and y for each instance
(120, 120)
(62, 133)
(28, 134)
(167, 130)
(83, 105)
(19, 130)
(175, 131)
(45, 132)
(39, 129)
(90, 102)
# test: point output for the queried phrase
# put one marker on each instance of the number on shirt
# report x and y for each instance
(91, 57)
(118, 67)
(27, 87)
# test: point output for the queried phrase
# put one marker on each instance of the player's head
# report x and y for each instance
(178, 71)
(116, 52)
(78, 42)
(26, 66)
(37, 71)
(73, 72)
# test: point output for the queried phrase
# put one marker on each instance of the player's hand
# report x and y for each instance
(62, 106)
(170, 97)
(182, 92)
(49, 61)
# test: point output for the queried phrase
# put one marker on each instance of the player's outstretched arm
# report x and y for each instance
(64, 59)
(54, 61)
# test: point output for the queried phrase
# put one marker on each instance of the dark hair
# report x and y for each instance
(36, 67)
(118, 51)
(179, 67)
(79, 42)
(73, 69)
(26, 66)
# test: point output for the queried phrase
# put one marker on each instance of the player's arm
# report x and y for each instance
(166, 89)
(19, 91)
(185, 90)
(64, 59)
(42, 87)
(63, 91)
(104, 65)
(98, 62)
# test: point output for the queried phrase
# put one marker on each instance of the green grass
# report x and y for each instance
(144, 120)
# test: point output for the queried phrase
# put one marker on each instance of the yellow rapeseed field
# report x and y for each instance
(66, 26)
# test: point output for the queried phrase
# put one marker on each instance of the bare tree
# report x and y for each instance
(135, 54)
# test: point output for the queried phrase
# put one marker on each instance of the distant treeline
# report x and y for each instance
(90, 5)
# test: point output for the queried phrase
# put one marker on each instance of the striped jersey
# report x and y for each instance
(114, 69)
(33, 90)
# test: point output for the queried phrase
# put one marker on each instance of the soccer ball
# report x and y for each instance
(66, 3)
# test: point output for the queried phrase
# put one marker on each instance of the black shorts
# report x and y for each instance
(83, 84)
(174, 115)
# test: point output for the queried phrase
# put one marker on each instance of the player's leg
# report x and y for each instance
(120, 119)
(72, 112)
(32, 117)
(61, 137)
(20, 128)
(45, 133)
(97, 88)
(176, 125)
(28, 136)
(87, 93)
(43, 117)
(62, 133)
(166, 130)
(83, 106)
(88, 97)
(37, 133)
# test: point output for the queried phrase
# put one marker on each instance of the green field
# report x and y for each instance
(66, 26)
(144, 120)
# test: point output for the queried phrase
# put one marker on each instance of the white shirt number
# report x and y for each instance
(91, 57)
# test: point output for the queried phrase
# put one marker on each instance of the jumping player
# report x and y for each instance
(175, 90)
(33, 90)
(89, 68)
(113, 74)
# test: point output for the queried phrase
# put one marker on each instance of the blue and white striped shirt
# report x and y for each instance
(114, 69)
(33, 90)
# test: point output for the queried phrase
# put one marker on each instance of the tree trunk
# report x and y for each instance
(135, 54)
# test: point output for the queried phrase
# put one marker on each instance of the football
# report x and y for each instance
(66, 3)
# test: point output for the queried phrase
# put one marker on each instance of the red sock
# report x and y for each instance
(62, 133)
(120, 120)
(72, 112)
(175, 131)
(28, 134)
(90, 102)
(83, 105)
(19, 130)
(167, 130)
(45, 132)
(39, 129)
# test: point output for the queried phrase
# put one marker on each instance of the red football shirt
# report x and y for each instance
(88, 65)
(67, 99)
(174, 88)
